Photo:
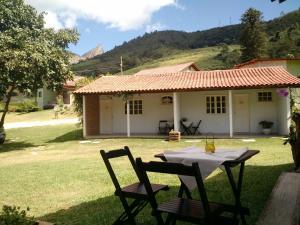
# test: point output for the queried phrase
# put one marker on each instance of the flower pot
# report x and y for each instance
(266, 131)
(2, 135)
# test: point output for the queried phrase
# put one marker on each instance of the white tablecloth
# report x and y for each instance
(207, 162)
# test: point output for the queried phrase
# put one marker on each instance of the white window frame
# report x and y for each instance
(213, 105)
(265, 96)
(135, 107)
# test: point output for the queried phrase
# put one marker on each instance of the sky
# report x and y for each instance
(111, 22)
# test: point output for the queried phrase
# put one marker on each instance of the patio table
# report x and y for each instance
(236, 186)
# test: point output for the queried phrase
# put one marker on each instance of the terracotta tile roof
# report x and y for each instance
(262, 77)
(253, 61)
(168, 69)
(72, 83)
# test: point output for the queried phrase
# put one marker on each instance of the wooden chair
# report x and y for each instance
(163, 127)
(182, 209)
(195, 129)
(186, 129)
(134, 191)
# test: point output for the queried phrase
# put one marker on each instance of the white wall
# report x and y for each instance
(193, 107)
(153, 111)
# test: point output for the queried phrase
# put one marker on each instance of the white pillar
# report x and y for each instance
(176, 111)
(83, 116)
(288, 108)
(230, 113)
(128, 118)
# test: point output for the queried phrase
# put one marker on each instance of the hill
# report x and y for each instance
(160, 44)
(204, 58)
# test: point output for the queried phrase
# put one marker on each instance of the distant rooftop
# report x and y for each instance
(253, 61)
(169, 69)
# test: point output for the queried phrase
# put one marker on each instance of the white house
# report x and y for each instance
(227, 101)
(47, 98)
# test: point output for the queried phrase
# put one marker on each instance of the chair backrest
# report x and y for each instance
(106, 156)
(198, 124)
(162, 123)
(172, 168)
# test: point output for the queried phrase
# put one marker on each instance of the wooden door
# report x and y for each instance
(241, 114)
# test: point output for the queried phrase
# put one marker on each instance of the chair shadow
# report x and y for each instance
(70, 136)
(105, 210)
(15, 146)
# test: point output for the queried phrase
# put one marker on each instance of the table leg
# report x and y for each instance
(237, 188)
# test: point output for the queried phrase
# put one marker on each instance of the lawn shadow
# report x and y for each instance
(70, 136)
(257, 185)
(15, 146)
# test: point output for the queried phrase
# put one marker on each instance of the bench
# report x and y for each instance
(283, 205)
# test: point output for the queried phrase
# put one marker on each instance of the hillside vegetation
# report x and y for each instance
(161, 44)
(204, 58)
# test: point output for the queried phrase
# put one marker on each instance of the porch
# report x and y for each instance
(225, 113)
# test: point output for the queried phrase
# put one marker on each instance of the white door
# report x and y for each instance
(241, 116)
(105, 116)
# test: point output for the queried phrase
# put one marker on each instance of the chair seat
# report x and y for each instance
(138, 189)
(192, 209)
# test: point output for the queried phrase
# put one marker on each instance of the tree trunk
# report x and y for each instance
(8, 98)
(296, 144)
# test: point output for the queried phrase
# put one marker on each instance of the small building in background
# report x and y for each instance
(290, 64)
(190, 66)
(47, 98)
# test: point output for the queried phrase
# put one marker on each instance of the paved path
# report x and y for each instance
(41, 123)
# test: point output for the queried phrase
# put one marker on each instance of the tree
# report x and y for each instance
(253, 37)
(31, 56)
(294, 134)
(286, 44)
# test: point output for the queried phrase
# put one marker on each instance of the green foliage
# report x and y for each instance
(229, 57)
(161, 44)
(266, 124)
(12, 215)
(24, 106)
(253, 37)
(31, 56)
(286, 44)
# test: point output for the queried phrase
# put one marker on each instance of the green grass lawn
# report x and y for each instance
(42, 115)
(63, 180)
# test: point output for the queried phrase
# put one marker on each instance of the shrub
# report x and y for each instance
(27, 106)
(12, 215)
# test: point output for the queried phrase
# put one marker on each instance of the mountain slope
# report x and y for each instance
(204, 58)
(160, 44)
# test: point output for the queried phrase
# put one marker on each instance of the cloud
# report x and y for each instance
(121, 14)
(155, 26)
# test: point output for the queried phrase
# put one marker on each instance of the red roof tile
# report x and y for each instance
(168, 69)
(72, 83)
(253, 61)
(262, 77)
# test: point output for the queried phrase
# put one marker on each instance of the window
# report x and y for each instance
(215, 105)
(40, 94)
(167, 100)
(135, 107)
(264, 96)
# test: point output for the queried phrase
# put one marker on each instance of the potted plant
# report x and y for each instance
(266, 126)
(2, 135)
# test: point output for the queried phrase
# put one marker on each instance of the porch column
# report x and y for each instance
(230, 113)
(83, 116)
(128, 118)
(176, 111)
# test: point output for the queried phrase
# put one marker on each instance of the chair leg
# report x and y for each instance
(128, 211)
